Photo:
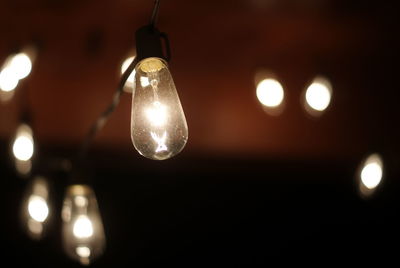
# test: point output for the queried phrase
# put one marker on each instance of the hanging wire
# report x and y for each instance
(102, 119)
(154, 15)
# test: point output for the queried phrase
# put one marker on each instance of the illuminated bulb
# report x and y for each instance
(83, 233)
(318, 96)
(35, 209)
(20, 65)
(371, 173)
(270, 93)
(131, 79)
(158, 125)
(38, 209)
(23, 146)
(83, 227)
(8, 81)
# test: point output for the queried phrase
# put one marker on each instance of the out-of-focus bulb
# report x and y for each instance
(21, 65)
(318, 96)
(35, 209)
(83, 227)
(8, 80)
(38, 208)
(16, 67)
(83, 232)
(131, 79)
(270, 93)
(158, 125)
(371, 173)
(23, 145)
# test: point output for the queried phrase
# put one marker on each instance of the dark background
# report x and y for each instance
(249, 189)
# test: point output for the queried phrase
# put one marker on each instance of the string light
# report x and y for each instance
(370, 174)
(317, 96)
(15, 68)
(83, 233)
(35, 209)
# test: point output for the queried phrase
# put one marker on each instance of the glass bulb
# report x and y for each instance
(23, 145)
(35, 209)
(317, 96)
(370, 174)
(83, 233)
(158, 125)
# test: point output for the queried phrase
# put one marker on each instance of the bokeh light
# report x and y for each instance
(318, 96)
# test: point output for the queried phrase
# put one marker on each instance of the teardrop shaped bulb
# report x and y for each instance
(35, 209)
(82, 232)
(158, 124)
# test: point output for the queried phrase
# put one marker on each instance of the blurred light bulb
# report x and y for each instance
(318, 96)
(131, 79)
(8, 80)
(270, 93)
(21, 65)
(38, 208)
(83, 227)
(35, 209)
(83, 233)
(371, 173)
(23, 145)
(158, 125)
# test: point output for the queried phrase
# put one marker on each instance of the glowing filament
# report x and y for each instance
(318, 96)
(23, 144)
(160, 141)
(270, 93)
(37, 208)
(371, 175)
(157, 114)
(83, 227)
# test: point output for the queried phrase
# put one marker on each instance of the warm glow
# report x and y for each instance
(144, 81)
(81, 201)
(37, 208)
(23, 167)
(23, 146)
(83, 252)
(318, 94)
(83, 227)
(8, 80)
(270, 93)
(125, 65)
(157, 114)
(371, 173)
(21, 65)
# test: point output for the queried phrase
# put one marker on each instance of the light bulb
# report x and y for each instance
(35, 209)
(318, 96)
(8, 80)
(270, 93)
(23, 145)
(21, 65)
(83, 233)
(370, 174)
(158, 125)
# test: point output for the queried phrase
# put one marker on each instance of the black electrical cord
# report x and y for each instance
(154, 15)
(102, 119)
